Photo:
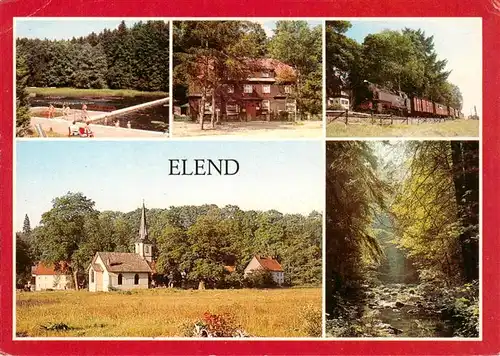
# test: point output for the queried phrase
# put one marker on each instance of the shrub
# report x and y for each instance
(335, 106)
(260, 279)
(231, 280)
(213, 325)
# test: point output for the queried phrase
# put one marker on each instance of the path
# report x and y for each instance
(261, 129)
(60, 127)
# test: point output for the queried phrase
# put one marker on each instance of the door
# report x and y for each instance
(251, 109)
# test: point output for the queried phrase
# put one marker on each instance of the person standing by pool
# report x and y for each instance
(85, 115)
(67, 111)
(51, 111)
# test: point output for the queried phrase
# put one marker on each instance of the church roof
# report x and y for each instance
(124, 262)
(143, 227)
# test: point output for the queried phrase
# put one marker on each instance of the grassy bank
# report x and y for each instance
(166, 312)
(74, 92)
(463, 128)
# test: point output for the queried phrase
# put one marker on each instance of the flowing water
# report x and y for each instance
(401, 310)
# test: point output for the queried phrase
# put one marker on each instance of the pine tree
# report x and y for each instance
(26, 225)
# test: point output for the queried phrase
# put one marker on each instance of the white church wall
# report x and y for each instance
(92, 280)
(128, 281)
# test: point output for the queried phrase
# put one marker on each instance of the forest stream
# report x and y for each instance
(402, 310)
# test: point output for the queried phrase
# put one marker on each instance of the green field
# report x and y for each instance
(74, 92)
(294, 312)
(462, 128)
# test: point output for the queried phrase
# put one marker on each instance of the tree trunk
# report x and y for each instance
(212, 119)
(465, 158)
(202, 110)
(75, 279)
(201, 285)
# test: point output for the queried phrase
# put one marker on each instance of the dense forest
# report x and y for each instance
(399, 60)
(191, 243)
(122, 58)
(402, 238)
(227, 46)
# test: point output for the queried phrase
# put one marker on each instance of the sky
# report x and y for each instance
(269, 25)
(459, 40)
(286, 175)
(64, 29)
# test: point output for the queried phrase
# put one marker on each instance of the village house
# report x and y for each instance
(338, 95)
(124, 270)
(266, 93)
(267, 264)
(48, 277)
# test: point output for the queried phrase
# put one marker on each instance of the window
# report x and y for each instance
(266, 89)
(232, 108)
(265, 104)
(146, 249)
(136, 279)
(248, 88)
(288, 89)
(290, 107)
(120, 279)
(230, 88)
(92, 277)
(265, 75)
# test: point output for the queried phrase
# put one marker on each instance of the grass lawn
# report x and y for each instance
(93, 92)
(167, 312)
(463, 128)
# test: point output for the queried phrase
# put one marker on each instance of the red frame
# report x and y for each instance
(490, 343)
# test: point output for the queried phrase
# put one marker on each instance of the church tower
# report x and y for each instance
(143, 246)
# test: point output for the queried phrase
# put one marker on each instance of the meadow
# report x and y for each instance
(459, 128)
(294, 312)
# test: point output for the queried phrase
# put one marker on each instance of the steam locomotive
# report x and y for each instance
(384, 101)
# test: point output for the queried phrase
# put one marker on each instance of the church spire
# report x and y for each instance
(143, 228)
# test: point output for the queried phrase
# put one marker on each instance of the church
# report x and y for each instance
(124, 270)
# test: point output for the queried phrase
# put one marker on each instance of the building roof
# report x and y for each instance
(124, 262)
(152, 265)
(281, 69)
(50, 269)
(284, 72)
(269, 263)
